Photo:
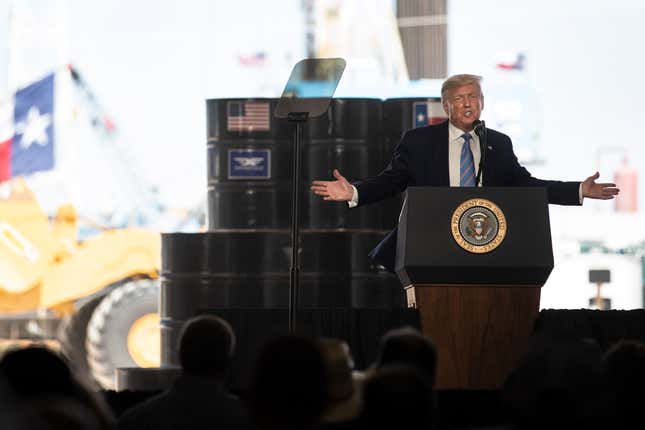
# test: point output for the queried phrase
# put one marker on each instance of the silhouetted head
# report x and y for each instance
(343, 394)
(624, 364)
(288, 388)
(408, 346)
(46, 388)
(206, 345)
(558, 382)
(36, 370)
(398, 396)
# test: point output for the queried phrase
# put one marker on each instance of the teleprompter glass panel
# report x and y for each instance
(310, 87)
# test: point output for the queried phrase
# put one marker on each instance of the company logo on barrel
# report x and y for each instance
(478, 226)
(249, 163)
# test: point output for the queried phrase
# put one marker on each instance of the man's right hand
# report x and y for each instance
(339, 190)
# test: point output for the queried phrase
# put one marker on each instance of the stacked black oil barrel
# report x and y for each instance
(243, 260)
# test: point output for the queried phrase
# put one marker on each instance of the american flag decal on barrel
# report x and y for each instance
(248, 116)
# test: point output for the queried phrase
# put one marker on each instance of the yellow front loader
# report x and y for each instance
(101, 293)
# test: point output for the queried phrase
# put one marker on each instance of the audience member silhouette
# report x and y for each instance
(408, 346)
(302, 384)
(198, 399)
(42, 383)
(558, 384)
(398, 397)
(288, 387)
(624, 369)
(343, 392)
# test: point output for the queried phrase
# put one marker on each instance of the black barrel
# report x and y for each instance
(348, 137)
(215, 270)
(249, 165)
(221, 269)
(250, 269)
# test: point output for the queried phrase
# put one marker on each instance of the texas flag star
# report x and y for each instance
(34, 129)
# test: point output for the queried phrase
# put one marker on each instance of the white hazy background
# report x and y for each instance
(153, 63)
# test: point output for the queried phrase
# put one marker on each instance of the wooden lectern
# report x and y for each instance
(473, 260)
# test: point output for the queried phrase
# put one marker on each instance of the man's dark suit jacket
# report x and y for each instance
(421, 159)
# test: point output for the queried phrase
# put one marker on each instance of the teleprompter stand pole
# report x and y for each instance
(307, 95)
(298, 118)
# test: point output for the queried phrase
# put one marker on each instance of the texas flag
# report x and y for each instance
(27, 130)
(428, 112)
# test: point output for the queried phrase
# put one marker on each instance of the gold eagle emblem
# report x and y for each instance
(478, 226)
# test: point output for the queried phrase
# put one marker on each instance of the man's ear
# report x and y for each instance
(482, 102)
(445, 108)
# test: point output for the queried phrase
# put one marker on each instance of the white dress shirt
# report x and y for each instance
(455, 143)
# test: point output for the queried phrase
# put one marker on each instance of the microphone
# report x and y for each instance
(480, 131)
(480, 127)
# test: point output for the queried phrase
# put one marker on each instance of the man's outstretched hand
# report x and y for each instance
(598, 191)
(339, 190)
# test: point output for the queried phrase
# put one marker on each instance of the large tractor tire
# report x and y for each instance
(71, 335)
(124, 331)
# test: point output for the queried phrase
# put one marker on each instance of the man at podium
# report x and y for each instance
(449, 154)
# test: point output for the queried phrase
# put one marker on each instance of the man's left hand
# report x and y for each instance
(593, 190)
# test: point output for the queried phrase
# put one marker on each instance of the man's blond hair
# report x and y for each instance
(456, 81)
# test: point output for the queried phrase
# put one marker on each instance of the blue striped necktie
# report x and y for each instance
(467, 164)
